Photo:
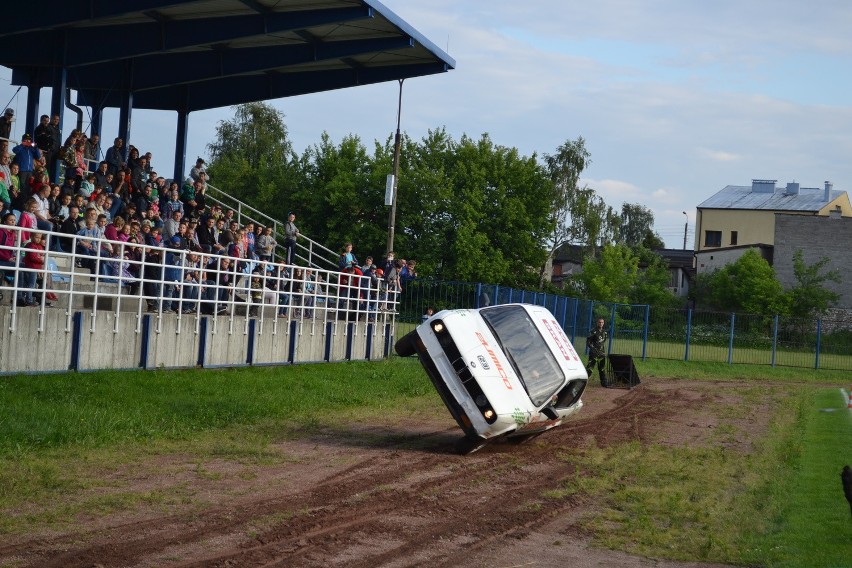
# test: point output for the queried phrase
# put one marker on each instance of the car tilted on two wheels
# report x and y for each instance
(505, 371)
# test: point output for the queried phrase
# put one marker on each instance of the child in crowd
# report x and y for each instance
(28, 218)
(34, 261)
(266, 245)
(256, 291)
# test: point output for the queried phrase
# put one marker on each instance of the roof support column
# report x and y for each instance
(57, 96)
(180, 145)
(57, 108)
(31, 116)
(124, 119)
(97, 122)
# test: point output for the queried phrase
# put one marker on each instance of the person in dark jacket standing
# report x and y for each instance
(597, 344)
(291, 233)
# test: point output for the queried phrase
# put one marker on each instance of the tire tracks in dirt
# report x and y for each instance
(395, 506)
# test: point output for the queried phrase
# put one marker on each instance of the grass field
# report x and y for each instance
(780, 507)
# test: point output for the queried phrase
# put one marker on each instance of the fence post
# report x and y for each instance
(564, 311)
(611, 327)
(774, 338)
(478, 295)
(645, 335)
(731, 340)
(574, 318)
(688, 333)
(818, 343)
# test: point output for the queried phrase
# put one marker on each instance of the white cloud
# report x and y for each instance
(719, 155)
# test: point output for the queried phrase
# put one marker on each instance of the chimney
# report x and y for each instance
(792, 188)
(828, 186)
(763, 185)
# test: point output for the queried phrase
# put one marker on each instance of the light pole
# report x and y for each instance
(395, 181)
(685, 229)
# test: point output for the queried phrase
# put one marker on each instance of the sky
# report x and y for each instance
(675, 100)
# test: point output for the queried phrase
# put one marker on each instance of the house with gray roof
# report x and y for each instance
(739, 218)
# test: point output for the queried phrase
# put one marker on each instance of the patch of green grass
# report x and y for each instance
(813, 526)
(780, 505)
(695, 370)
(99, 409)
(67, 436)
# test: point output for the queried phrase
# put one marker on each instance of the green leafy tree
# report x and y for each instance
(253, 160)
(577, 214)
(473, 210)
(748, 285)
(809, 298)
(637, 224)
(342, 194)
(612, 276)
(652, 282)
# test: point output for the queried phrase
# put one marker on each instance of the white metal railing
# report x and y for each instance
(128, 279)
(309, 251)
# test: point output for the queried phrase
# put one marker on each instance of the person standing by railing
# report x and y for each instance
(265, 245)
(291, 233)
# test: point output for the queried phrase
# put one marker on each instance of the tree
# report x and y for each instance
(637, 223)
(809, 298)
(652, 282)
(748, 285)
(252, 159)
(564, 168)
(611, 276)
(481, 209)
(578, 215)
(342, 194)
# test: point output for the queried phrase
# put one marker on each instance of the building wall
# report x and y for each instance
(817, 237)
(752, 226)
(714, 259)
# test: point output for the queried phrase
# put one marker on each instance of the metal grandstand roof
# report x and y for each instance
(191, 55)
(743, 197)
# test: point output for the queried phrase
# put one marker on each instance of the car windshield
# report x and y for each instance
(526, 349)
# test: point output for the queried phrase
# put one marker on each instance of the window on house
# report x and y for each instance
(712, 238)
(733, 238)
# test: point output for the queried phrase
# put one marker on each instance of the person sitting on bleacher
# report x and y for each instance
(8, 241)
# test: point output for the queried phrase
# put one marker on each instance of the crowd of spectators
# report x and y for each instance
(161, 238)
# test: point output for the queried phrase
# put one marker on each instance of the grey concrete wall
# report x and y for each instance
(227, 342)
(817, 237)
(44, 342)
(271, 342)
(173, 342)
(108, 342)
(37, 343)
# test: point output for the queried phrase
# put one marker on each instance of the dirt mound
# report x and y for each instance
(387, 496)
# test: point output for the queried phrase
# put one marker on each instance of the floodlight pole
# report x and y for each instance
(396, 149)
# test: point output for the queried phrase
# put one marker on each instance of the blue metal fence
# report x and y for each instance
(659, 333)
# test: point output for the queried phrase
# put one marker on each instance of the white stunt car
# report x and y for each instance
(503, 371)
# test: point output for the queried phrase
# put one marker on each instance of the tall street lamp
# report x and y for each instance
(393, 181)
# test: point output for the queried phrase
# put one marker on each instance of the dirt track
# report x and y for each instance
(383, 495)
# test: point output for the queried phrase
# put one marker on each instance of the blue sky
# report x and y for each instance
(675, 99)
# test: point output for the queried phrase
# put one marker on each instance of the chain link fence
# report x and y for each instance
(658, 333)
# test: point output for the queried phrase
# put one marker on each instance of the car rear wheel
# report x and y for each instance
(405, 347)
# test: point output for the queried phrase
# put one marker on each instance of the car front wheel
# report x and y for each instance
(470, 444)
